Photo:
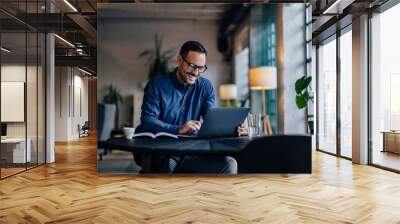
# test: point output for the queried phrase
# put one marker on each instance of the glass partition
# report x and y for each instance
(22, 90)
(14, 153)
(31, 98)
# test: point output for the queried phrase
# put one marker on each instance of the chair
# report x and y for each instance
(105, 124)
(84, 129)
(276, 154)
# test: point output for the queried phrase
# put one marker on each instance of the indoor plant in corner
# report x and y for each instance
(303, 96)
(113, 96)
(157, 60)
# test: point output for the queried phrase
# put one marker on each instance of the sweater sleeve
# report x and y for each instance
(150, 121)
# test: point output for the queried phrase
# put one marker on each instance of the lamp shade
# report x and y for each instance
(262, 78)
(227, 91)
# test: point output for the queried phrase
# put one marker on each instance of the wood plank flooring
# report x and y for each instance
(71, 191)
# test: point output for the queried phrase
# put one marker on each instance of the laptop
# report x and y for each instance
(221, 122)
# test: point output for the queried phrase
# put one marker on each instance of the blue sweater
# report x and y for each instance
(168, 104)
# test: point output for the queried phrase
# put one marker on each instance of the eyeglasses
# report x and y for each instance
(193, 67)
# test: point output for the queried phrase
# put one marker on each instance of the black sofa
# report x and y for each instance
(277, 154)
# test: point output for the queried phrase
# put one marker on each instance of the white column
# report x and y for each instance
(360, 90)
(50, 99)
(290, 65)
(50, 92)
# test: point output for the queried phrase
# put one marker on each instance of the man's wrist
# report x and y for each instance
(174, 129)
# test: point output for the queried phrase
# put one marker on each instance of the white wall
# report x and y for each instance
(62, 81)
(16, 72)
(67, 115)
(79, 117)
(33, 126)
(120, 41)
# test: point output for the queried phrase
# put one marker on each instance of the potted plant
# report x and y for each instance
(157, 60)
(304, 96)
(113, 96)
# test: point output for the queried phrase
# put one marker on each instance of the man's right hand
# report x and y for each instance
(189, 127)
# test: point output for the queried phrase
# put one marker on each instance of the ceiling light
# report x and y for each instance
(5, 50)
(84, 71)
(331, 7)
(337, 7)
(70, 5)
(65, 41)
(79, 51)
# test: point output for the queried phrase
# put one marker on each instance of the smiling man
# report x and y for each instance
(175, 103)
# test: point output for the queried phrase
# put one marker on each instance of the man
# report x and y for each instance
(174, 103)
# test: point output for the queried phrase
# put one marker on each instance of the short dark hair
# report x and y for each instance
(192, 46)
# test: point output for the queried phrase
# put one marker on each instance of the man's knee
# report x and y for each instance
(231, 166)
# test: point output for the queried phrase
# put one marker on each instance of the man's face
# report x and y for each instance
(189, 68)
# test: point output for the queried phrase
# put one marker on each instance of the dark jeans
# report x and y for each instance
(191, 164)
(203, 164)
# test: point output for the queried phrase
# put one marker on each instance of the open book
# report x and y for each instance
(151, 135)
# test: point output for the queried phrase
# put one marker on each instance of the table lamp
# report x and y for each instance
(228, 92)
(263, 78)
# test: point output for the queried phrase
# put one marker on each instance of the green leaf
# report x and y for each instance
(306, 95)
(307, 81)
(299, 85)
(302, 86)
(302, 83)
(301, 102)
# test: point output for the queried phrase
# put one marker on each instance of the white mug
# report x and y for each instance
(129, 132)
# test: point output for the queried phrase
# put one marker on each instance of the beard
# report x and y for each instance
(188, 78)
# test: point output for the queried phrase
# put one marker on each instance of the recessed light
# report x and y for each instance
(5, 50)
(337, 7)
(70, 5)
(65, 41)
(84, 71)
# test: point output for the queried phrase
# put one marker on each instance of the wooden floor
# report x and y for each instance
(5, 172)
(71, 191)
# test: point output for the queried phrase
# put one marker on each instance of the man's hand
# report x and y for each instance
(241, 130)
(190, 127)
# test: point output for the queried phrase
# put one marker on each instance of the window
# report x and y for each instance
(385, 89)
(334, 106)
(327, 96)
(262, 50)
(346, 94)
